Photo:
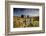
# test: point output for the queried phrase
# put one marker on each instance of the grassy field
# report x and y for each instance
(19, 22)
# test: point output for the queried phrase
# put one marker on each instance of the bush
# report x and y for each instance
(36, 23)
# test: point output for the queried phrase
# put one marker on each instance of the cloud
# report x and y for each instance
(26, 11)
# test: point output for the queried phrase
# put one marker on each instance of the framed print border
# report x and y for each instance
(7, 17)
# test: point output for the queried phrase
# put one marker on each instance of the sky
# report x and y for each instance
(25, 11)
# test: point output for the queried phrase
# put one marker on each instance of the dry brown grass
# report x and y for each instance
(29, 22)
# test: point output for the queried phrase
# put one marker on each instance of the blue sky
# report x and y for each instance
(25, 11)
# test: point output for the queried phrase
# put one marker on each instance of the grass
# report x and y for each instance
(19, 22)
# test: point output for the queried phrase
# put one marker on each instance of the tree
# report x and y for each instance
(27, 16)
(22, 16)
